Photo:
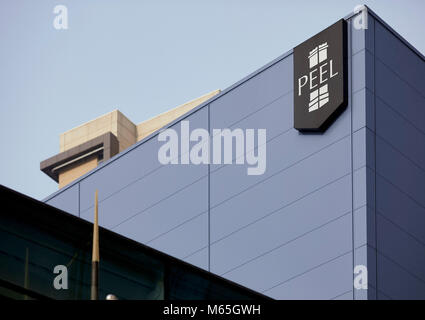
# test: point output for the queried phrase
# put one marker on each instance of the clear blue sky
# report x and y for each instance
(142, 57)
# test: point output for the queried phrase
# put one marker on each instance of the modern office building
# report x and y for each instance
(36, 237)
(343, 187)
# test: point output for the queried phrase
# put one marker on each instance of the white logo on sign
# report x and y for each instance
(320, 71)
(320, 96)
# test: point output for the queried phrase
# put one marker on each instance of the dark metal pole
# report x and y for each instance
(95, 254)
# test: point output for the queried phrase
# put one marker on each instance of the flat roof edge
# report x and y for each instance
(389, 28)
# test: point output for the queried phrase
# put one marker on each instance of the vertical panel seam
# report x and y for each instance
(374, 159)
(209, 193)
(351, 140)
(79, 200)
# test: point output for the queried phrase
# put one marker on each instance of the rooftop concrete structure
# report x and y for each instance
(81, 150)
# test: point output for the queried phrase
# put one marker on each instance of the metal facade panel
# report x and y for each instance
(182, 242)
(286, 186)
(363, 110)
(199, 258)
(401, 247)
(407, 139)
(400, 171)
(328, 281)
(362, 77)
(291, 260)
(400, 167)
(282, 225)
(404, 62)
(68, 201)
(395, 282)
(252, 95)
(405, 212)
(168, 214)
(399, 95)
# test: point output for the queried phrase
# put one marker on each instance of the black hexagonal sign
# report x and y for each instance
(320, 78)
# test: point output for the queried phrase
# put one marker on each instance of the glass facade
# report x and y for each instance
(34, 238)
